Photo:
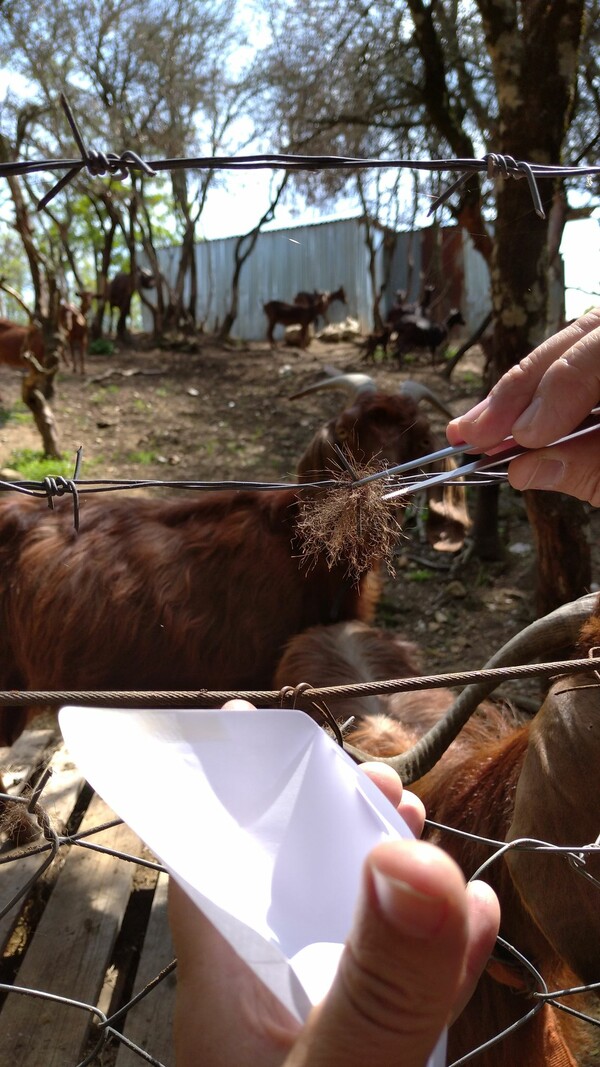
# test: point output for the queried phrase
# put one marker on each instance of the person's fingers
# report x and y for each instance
(542, 398)
(224, 1015)
(572, 468)
(409, 806)
(385, 778)
(403, 966)
(412, 810)
(484, 921)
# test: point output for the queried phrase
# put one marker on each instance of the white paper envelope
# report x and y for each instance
(273, 822)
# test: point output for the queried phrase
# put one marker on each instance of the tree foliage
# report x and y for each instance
(155, 78)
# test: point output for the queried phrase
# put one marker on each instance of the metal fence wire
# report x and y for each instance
(75, 957)
(119, 166)
(50, 819)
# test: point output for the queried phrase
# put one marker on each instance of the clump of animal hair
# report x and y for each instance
(17, 825)
(350, 524)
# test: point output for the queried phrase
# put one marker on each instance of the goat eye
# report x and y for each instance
(342, 434)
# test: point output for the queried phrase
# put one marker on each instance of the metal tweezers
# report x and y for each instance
(485, 463)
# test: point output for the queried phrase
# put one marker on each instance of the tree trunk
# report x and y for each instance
(42, 414)
(559, 525)
(534, 63)
(241, 256)
(37, 387)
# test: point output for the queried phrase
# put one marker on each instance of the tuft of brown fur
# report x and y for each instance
(351, 524)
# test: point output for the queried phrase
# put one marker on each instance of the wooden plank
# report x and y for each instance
(58, 799)
(70, 951)
(28, 752)
(150, 1023)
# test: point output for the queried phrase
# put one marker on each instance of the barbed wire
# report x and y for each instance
(120, 166)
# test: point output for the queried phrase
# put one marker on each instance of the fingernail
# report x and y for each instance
(414, 914)
(546, 474)
(528, 416)
(473, 414)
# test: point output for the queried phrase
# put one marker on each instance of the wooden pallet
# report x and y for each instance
(92, 928)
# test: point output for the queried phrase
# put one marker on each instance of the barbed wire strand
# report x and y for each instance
(493, 165)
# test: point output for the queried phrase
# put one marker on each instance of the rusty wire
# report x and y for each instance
(290, 695)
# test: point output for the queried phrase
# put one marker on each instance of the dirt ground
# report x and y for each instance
(223, 412)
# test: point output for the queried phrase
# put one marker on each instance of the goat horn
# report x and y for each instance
(554, 631)
(351, 383)
(417, 391)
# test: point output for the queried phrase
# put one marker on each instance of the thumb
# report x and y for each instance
(571, 468)
(402, 969)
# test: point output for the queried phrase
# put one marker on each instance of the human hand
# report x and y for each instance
(538, 401)
(418, 944)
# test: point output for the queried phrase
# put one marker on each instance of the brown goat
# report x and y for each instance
(120, 292)
(170, 595)
(304, 299)
(280, 313)
(383, 425)
(17, 343)
(73, 321)
(503, 778)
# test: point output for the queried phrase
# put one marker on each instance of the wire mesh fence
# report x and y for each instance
(88, 974)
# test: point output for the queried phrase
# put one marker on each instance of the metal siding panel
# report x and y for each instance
(283, 262)
(477, 290)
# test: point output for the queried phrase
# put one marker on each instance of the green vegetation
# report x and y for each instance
(34, 467)
(18, 413)
(142, 457)
(102, 347)
(422, 575)
(103, 392)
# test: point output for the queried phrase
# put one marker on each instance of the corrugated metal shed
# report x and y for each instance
(324, 256)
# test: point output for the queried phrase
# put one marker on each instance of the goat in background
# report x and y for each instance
(397, 312)
(73, 320)
(282, 314)
(18, 344)
(304, 299)
(415, 331)
(120, 292)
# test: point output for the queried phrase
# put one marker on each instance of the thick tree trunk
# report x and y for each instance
(559, 525)
(535, 63)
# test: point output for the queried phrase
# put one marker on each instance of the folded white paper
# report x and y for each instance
(273, 824)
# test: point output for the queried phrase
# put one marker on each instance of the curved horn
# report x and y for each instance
(554, 631)
(350, 383)
(417, 391)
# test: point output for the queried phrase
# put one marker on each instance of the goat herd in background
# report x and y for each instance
(215, 593)
(23, 346)
(407, 326)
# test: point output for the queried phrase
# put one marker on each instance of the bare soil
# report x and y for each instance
(205, 410)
